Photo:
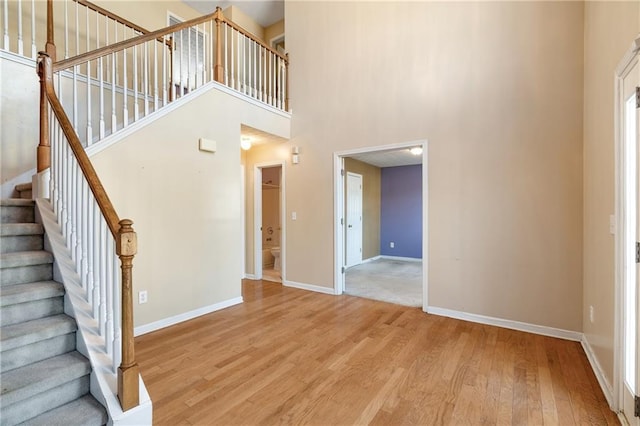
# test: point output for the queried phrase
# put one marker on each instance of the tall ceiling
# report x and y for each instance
(264, 12)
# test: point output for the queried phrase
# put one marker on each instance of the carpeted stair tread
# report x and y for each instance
(16, 202)
(10, 295)
(24, 382)
(10, 229)
(25, 333)
(84, 411)
(25, 258)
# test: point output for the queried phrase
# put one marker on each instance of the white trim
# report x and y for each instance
(404, 259)
(338, 202)
(250, 277)
(309, 287)
(505, 323)
(372, 259)
(167, 322)
(14, 57)
(606, 387)
(7, 189)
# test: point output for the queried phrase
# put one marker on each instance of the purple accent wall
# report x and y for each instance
(401, 211)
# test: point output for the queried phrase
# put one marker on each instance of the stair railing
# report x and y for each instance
(81, 26)
(128, 80)
(85, 214)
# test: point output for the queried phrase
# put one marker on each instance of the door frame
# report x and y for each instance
(627, 63)
(257, 218)
(338, 203)
(346, 261)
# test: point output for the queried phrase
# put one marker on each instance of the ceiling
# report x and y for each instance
(390, 158)
(264, 12)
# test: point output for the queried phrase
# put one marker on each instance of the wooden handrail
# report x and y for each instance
(122, 231)
(112, 15)
(158, 34)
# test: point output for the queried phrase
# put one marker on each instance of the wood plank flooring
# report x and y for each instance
(288, 356)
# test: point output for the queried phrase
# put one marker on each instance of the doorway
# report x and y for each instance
(628, 238)
(343, 262)
(269, 233)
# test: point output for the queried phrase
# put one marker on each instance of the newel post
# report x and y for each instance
(43, 154)
(50, 47)
(218, 73)
(128, 372)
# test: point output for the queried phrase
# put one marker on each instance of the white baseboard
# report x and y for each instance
(606, 387)
(310, 287)
(371, 259)
(406, 259)
(513, 325)
(167, 322)
(250, 277)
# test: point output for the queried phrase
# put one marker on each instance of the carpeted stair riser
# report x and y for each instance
(17, 211)
(28, 311)
(26, 333)
(26, 274)
(14, 294)
(85, 411)
(37, 351)
(33, 389)
(15, 237)
(24, 410)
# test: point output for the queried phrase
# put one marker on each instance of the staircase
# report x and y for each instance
(44, 381)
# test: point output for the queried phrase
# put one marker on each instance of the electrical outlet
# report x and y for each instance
(392, 244)
(142, 297)
(591, 313)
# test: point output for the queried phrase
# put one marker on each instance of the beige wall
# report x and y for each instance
(370, 205)
(240, 18)
(496, 88)
(274, 30)
(185, 204)
(610, 27)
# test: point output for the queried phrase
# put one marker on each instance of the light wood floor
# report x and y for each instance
(296, 357)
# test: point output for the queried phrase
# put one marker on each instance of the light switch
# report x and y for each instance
(207, 145)
(294, 216)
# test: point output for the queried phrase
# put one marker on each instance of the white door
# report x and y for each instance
(631, 291)
(354, 219)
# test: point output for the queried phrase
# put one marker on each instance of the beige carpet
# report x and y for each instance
(393, 281)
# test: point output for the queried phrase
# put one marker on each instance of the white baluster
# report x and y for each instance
(75, 98)
(97, 241)
(103, 278)
(89, 244)
(6, 25)
(272, 68)
(109, 284)
(172, 83)
(101, 96)
(196, 74)
(136, 107)
(225, 46)
(78, 218)
(66, 30)
(114, 122)
(164, 70)
(34, 50)
(125, 95)
(89, 118)
(181, 66)
(84, 199)
(117, 316)
(231, 44)
(77, 32)
(20, 42)
(189, 59)
(65, 192)
(211, 50)
(116, 75)
(146, 80)
(155, 75)
(238, 53)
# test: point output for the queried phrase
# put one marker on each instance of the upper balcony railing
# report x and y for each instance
(111, 72)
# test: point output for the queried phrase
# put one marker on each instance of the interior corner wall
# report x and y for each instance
(370, 205)
(610, 28)
(401, 211)
(496, 88)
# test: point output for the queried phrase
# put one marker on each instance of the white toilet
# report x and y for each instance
(275, 251)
